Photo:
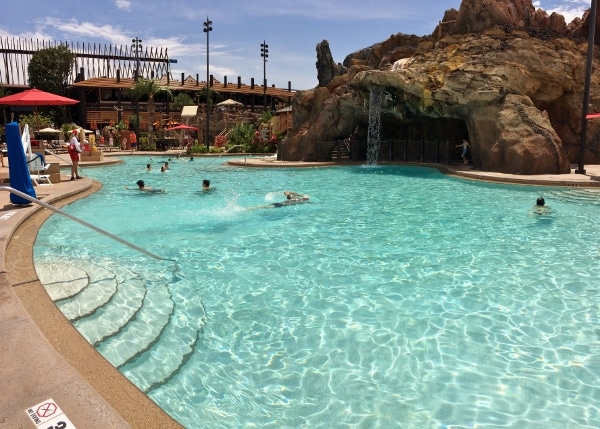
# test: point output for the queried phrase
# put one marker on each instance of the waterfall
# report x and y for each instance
(374, 124)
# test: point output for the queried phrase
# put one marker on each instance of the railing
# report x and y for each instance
(389, 150)
(101, 117)
(81, 222)
(68, 161)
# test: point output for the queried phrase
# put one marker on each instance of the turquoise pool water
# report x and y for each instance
(397, 297)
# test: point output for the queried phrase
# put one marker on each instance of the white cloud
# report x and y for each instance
(123, 4)
(569, 9)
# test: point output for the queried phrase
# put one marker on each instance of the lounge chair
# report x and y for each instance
(37, 169)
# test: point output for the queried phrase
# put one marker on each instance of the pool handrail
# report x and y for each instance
(220, 155)
(68, 161)
(80, 221)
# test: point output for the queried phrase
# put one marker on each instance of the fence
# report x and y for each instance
(430, 151)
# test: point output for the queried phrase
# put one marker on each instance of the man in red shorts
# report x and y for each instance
(74, 149)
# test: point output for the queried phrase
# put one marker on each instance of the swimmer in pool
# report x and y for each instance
(292, 198)
(142, 187)
(541, 208)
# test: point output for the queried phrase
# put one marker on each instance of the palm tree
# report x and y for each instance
(149, 88)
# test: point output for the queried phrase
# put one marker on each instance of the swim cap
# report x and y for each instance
(140, 183)
(540, 201)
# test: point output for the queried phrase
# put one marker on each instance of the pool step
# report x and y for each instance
(61, 281)
(155, 367)
(108, 320)
(584, 195)
(142, 332)
(95, 287)
(141, 327)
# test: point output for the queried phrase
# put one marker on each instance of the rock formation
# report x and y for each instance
(500, 73)
(327, 69)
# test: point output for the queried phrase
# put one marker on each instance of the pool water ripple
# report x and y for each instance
(396, 298)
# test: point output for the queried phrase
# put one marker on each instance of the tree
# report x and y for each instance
(212, 96)
(36, 121)
(49, 69)
(180, 100)
(265, 117)
(242, 135)
(149, 88)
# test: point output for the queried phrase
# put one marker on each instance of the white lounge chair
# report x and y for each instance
(37, 169)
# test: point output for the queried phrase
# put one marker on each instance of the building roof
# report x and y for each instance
(188, 84)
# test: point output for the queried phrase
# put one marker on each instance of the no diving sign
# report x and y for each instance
(49, 414)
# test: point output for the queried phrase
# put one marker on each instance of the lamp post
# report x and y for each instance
(136, 46)
(264, 53)
(207, 29)
(586, 89)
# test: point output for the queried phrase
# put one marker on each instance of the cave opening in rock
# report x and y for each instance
(414, 139)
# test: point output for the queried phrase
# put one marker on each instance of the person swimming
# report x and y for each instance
(206, 185)
(142, 187)
(292, 198)
(541, 208)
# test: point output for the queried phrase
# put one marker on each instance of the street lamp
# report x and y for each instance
(586, 89)
(136, 46)
(207, 29)
(264, 53)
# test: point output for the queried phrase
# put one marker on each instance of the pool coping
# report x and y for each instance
(44, 355)
(591, 178)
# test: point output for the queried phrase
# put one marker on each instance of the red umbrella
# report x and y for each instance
(35, 97)
(178, 127)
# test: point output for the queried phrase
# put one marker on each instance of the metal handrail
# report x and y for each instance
(223, 153)
(68, 161)
(81, 222)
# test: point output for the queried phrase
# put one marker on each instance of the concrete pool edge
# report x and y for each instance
(589, 180)
(44, 355)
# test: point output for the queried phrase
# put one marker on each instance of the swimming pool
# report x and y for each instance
(397, 297)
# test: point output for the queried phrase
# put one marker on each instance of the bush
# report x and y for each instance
(197, 149)
(144, 143)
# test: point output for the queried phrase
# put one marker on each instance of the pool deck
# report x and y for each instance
(45, 358)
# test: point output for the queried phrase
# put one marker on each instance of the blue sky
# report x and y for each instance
(291, 29)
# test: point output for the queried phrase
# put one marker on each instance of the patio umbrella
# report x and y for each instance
(35, 97)
(182, 127)
(83, 130)
(49, 131)
(230, 103)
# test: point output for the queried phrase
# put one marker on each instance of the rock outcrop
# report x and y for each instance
(500, 73)
(327, 69)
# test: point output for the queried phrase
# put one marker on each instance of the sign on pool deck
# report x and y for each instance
(49, 414)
